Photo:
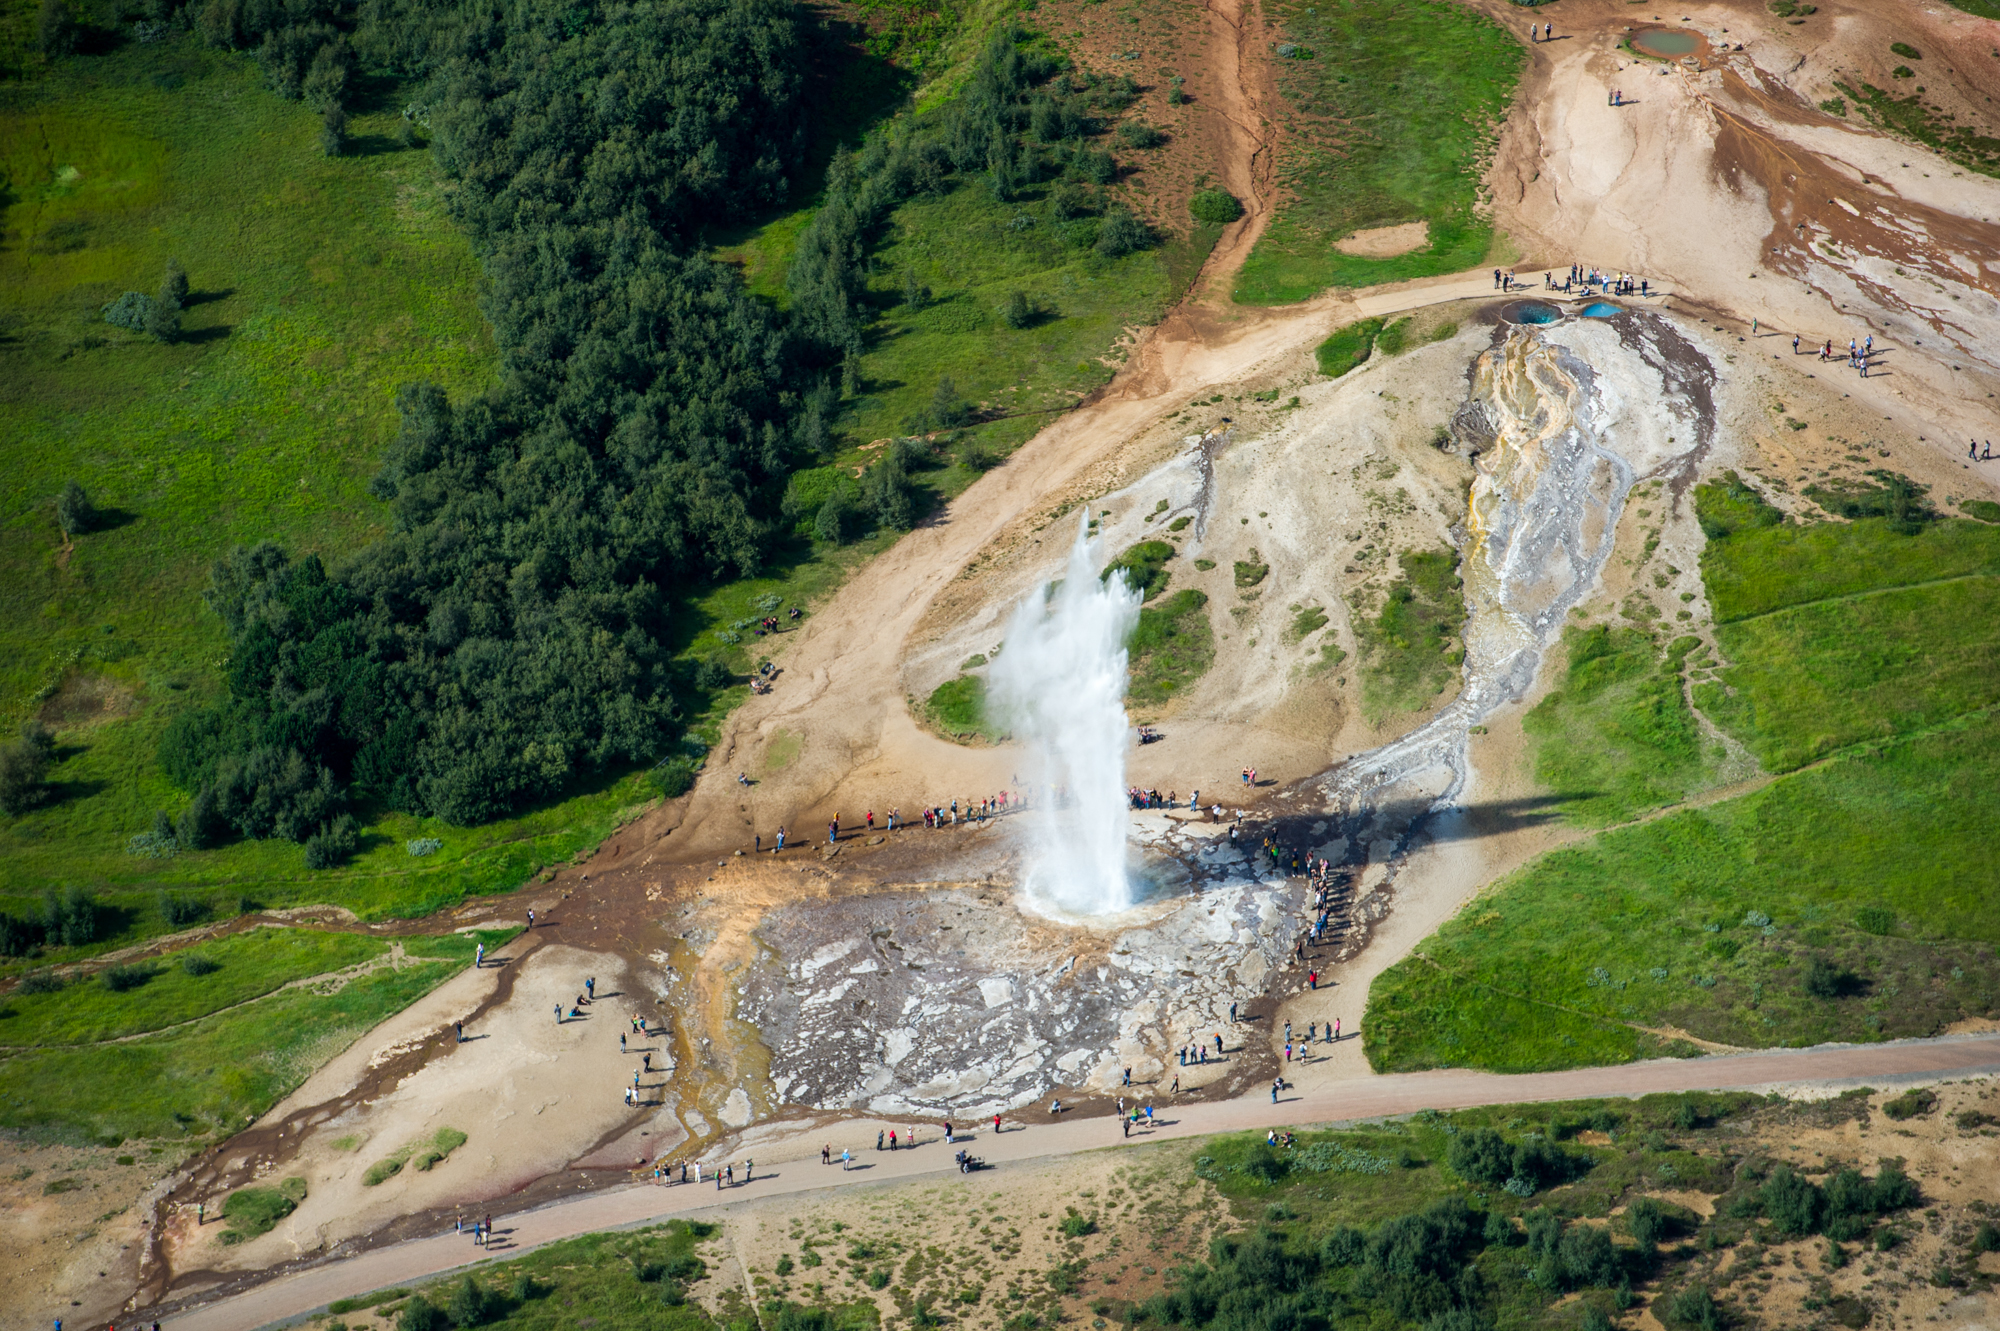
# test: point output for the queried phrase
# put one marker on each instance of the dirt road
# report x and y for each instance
(794, 1166)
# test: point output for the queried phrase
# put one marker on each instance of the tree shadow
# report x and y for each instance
(194, 298)
(62, 792)
(111, 519)
(201, 337)
(372, 145)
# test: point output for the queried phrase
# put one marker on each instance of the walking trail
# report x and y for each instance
(793, 1164)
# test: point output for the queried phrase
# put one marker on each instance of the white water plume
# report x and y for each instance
(1060, 682)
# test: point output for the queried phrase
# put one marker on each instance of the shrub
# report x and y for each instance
(1586, 1257)
(1069, 200)
(56, 30)
(1794, 1205)
(1694, 1308)
(673, 778)
(1731, 505)
(1348, 1246)
(1121, 233)
(1905, 50)
(69, 917)
(201, 823)
(1215, 207)
(1911, 1104)
(333, 130)
(1017, 311)
(335, 846)
(468, 1304)
(119, 979)
(1877, 920)
(1139, 134)
(132, 311)
(199, 965)
(1646, 1222)
(418, 847)
(74, 511)
(420, 1315)
(178, 912)
(40, 982)
(1823, 979)
(1075, 1224)
(24, 769)
(18, 937)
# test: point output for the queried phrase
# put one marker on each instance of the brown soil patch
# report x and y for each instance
(1218, 136)
(1386, 242)
(87, 701)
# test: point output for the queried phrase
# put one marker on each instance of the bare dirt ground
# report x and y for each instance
(1721, 183)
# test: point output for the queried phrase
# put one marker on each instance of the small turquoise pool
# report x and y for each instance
(1531, 312)
(1602, 309)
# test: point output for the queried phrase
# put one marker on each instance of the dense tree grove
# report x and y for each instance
(653, 424)
(506, 633)
(1020, 119)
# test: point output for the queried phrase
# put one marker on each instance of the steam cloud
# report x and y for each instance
(1060, 682)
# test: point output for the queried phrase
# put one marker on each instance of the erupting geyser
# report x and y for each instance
(1060, 681)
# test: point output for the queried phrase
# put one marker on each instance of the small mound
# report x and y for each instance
(1386, 242)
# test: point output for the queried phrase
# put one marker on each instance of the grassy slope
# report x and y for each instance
(1392, 117)
(221, 1054)
(1619, 738)
(265, 424)
(1652, 924)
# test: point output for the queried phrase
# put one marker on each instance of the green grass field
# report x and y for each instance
(619, 1282)
(1619, 738)
(971, 252)
(1844, 900)
(1392, 106)
(212, 1049)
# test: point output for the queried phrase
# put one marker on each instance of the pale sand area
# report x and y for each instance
(1386, 242)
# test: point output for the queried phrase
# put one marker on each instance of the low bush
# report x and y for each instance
(178, 911)
(120, 979)
(1215, 207)
(254, 1211)
(673, 778)
(1348, 347)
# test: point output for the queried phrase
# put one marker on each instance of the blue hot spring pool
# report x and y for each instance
(1602, 309)
(1531, 312)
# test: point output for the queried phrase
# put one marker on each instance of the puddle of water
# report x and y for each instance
(1666, 42)
(1531, 312)
(1602, 309)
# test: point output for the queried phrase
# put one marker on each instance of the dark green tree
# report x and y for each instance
(57, 32)
(74, 511)
(24, 769)
(333, 130)
(1121, 233)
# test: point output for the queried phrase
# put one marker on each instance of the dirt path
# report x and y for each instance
(794, 1166)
